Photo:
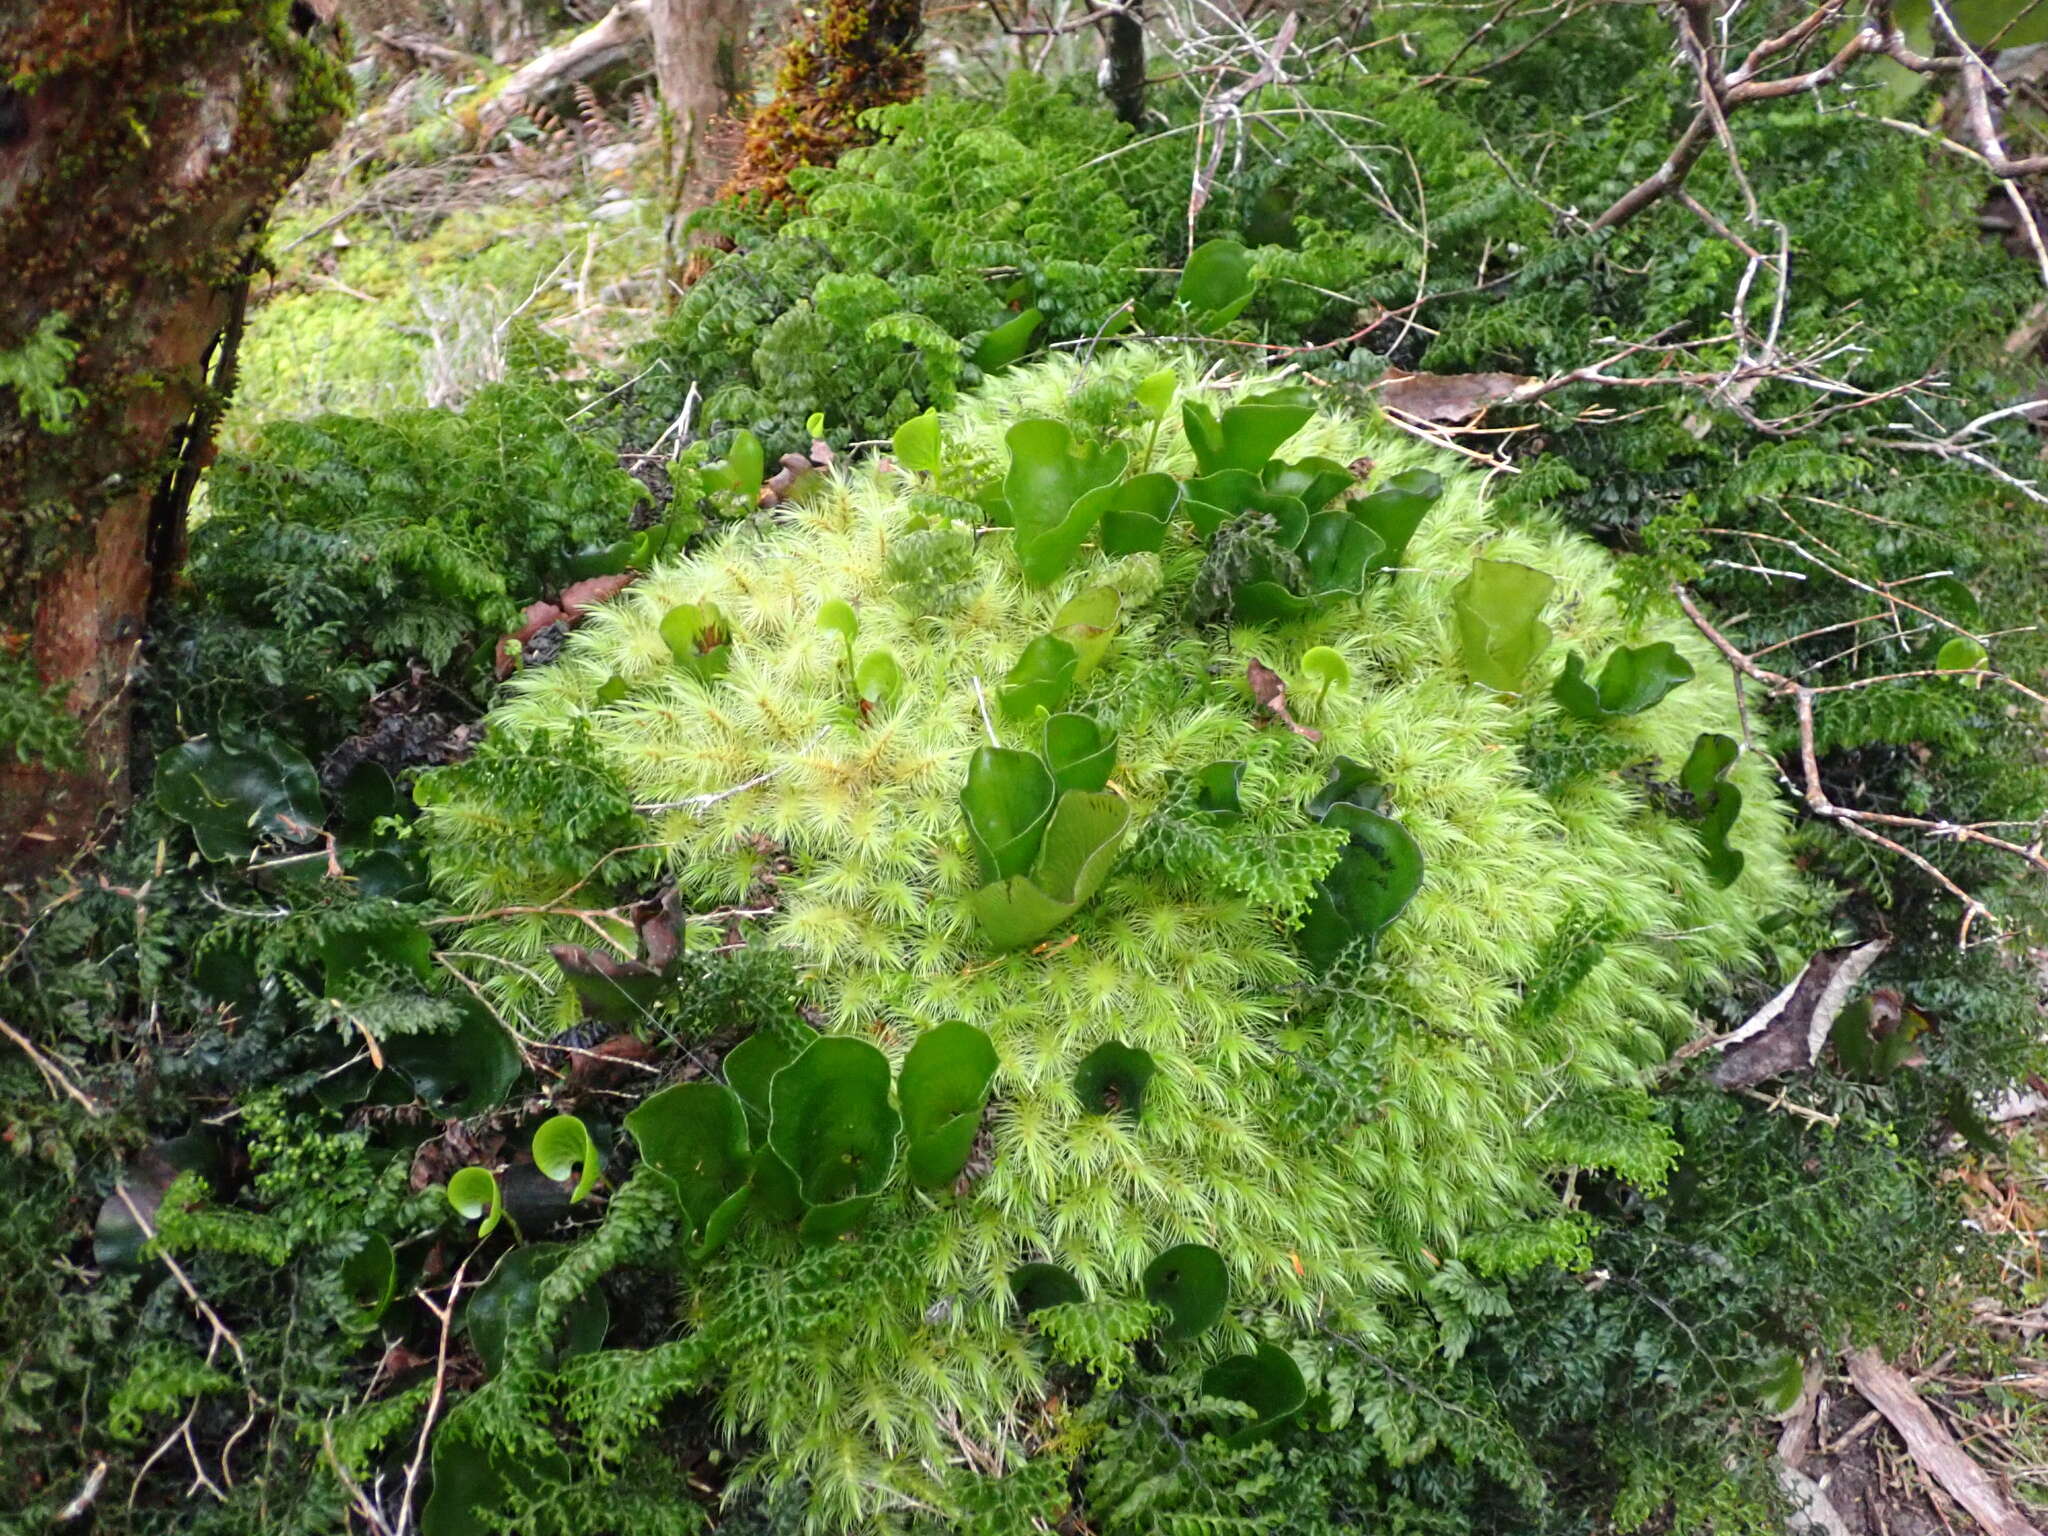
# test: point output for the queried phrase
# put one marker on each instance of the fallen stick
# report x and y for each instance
(1933, 1448)
(621, 33)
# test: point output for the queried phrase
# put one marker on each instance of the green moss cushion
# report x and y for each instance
(1333, 1135)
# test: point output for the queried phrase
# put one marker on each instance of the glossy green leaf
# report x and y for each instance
(697, 637)
(234, 790)
(473, 1191)
(1190, 1283)
(1112, 1079)
(1088, 621)
(831, 1122)
(1008, 799)
(1349, 783)
(399, 944)
(1218, 790)
(560, 1147)
(1634, 679)
(468, 1478)
(814, 425)
(1080, 844)
(1325, 668)
(695, 1136)
(369, 1278)
(463, 1072)
(1037, 1286)
(1960, 653)
(1048, 488)
(1375, 877)
(1081, 754)
(1315, 483)
(1716, 803)
(1008, 341)
(1210, 501)
(1015, 912)
(1216, 283)
(1155, 393)
(1497, 608)
(741, 473)
(943, 1088)
(916, 443)
(836, 616)
(1137, 513)
(508, 1304)
(879, 678)
(1248, 433)
(1397, 509)
(1042, 678)
(1267, 1381)
(749, 1067)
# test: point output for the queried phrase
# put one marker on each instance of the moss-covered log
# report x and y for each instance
(142, 145)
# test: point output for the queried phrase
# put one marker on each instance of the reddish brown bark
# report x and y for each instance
(142, 144)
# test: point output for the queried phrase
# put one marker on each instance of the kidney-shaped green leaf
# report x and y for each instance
(473, 1192)
(695, 1136)
(1397, 509)
(1496, 608)
(1378, 874)
(1634, 679)
(1008, 799)
(1716, 803)
(508, 1303)
(1008, 341)
(1216, 283)
(1048, 489)
(1248, 433)
(1042, 678)
(1081, 754)
(1037, 1286)
(1267, 1381)
(560, 1147)
(1112, 1078)
(830, 1121)
(234, 790)
(943, 1086)
(1191, 1284)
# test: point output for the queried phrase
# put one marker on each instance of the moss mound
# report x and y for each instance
(1335, 1125)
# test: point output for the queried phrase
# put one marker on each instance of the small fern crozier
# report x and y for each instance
(1333, 1143)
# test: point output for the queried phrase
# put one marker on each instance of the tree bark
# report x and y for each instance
(700, 59)
(142, 145)
(1123, 62)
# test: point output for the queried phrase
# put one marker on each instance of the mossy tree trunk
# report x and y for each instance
(851, 56)
(142, 145)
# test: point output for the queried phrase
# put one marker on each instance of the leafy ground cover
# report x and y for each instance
(1119, 941)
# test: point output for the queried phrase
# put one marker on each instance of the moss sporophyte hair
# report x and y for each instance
(1178, 738)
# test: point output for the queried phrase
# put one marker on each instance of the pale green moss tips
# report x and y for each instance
(1330, 1142)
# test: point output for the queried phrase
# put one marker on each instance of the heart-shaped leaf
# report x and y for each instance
(695, 1136)
(739, 476)
(1397, 509)
(1048, 488)
(943, 1086)
(1042, 678)
(1349, 783)
(1635, 678)
(1088, 622)
(1081, 754)
(836, 616)
(1716, 803)
(1112, 1078)
(234, 790)
(1037, 1286)
(1190, 1283)
(830, 1121)
(462, 1073)
(1218, 790)
(473, 1191)
(1325, 668)
(1496, 608)
(1080, 844)
(1136, 515)
(1315, 483)
(916, 443)
(508, 1303)
(749, 1067)
(469, 1478)
(1008, 799)
(1248, 433)
(1377, 875)
(1216, 283)
(1267, 1381)
(879, 678)
(1155, 393)
(560, 1147)
(369, 1278)
(1008, 341)
(698, 639)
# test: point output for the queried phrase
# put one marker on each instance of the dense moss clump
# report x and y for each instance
(1221, 1047)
